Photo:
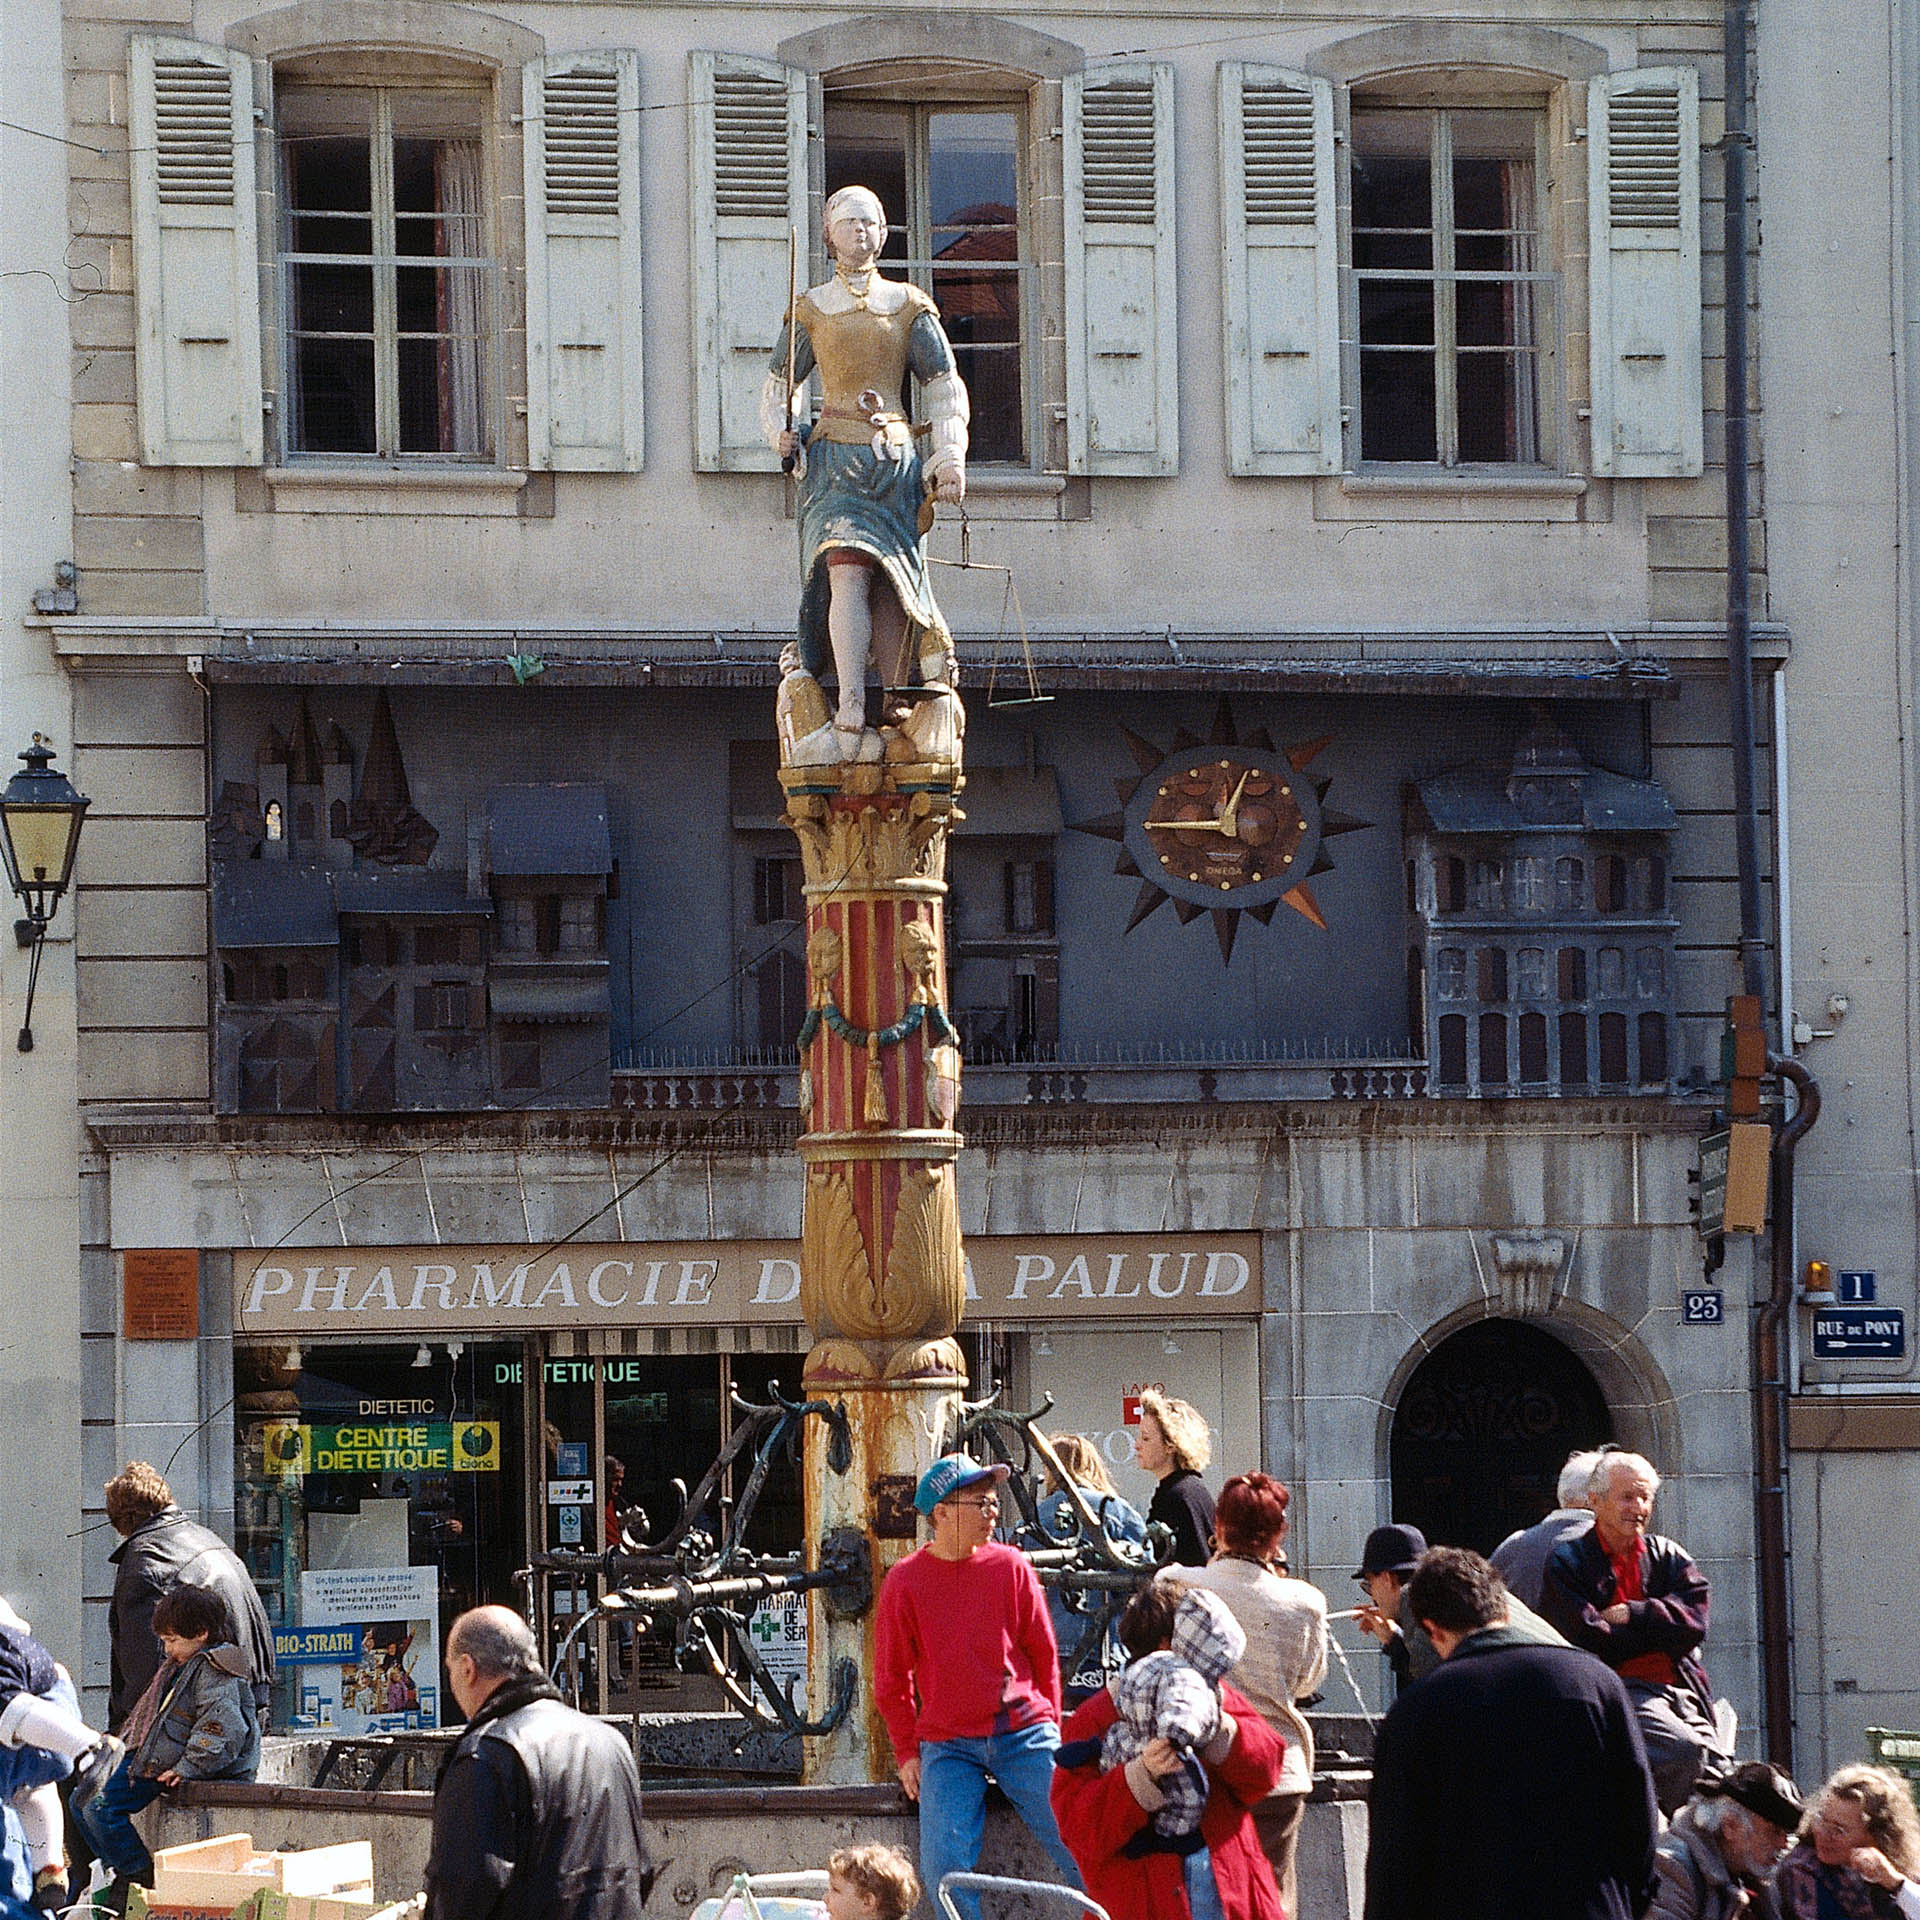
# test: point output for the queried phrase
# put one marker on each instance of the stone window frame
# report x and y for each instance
(923, 56)
(373, 42)
(1439, 63)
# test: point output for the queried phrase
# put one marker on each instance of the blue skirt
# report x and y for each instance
(851, 498)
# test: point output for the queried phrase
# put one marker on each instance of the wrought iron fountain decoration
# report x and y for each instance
(701, 1575)
(1077, 1557)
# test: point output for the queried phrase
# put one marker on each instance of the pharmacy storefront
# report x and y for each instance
(411, 1422)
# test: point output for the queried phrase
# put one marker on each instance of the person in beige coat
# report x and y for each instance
(1285, 1621)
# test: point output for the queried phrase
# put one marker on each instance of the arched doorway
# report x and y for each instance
(1483, 1428)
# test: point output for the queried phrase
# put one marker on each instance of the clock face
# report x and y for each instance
(1224, 826)
(1228, 825)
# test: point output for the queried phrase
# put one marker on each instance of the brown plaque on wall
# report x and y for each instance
(160, 1290)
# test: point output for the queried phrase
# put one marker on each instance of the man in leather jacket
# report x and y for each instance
(537, 1814)
(160, 1549)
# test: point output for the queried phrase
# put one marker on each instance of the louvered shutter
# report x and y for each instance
(1282, 264)
(749, 169)
(1643, 210)
(1123, 395)
(196, 271)
(584, 395)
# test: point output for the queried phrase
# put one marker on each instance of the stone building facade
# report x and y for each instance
(1347, 390)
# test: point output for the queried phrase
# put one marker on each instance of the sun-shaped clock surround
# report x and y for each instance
(1224, 826)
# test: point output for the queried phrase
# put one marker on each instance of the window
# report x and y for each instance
(390, 289)
(1456, 314)
(949, 178)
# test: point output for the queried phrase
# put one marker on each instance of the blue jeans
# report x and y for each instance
(1203, 1891)
(107, 1822)
(953, 1802)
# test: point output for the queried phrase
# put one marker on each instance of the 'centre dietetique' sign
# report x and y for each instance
(449, 1290)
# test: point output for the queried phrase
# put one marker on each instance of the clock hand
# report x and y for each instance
(1230, 814)
(1188, 826)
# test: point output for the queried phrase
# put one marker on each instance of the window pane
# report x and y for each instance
(1498, 420)
(332, 396)
(867, 147)
(973, 185)
(1392, 170)
(443, 314)
(329, 194)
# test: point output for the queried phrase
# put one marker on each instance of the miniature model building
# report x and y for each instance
(1543, 941)
(356, 974)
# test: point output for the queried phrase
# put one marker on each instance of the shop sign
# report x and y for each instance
(316, 1646)
(454, 1290)
(569, 1493)
(390, 1676)
(294, 1449)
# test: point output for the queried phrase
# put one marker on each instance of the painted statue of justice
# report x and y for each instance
(868, 478)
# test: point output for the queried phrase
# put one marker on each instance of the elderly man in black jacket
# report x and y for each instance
(1511, 1783)
(161, 1549)
(1637, 1601)
(536, 1815)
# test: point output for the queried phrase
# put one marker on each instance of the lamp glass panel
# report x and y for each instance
(39, 837)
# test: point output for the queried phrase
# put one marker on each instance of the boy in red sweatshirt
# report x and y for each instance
(968, 1676)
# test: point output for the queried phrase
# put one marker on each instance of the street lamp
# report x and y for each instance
(40, 817)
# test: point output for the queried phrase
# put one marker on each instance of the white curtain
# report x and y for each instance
(465, 294)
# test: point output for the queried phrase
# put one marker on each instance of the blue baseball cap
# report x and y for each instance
(953, 1473)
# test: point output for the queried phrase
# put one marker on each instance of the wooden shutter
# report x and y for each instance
(1643, 210)
(196, 271)
(584, 395)
(748, 125)
(1282, 271)
(1123, 396)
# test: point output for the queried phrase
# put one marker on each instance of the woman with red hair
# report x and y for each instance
(1286, 1658)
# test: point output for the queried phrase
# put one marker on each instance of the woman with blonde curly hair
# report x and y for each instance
(1859, 1848)
(1171, 1443)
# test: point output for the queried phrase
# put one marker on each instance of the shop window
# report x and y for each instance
(1455, 300)
(390, 284)
(949, 177)
(357, 1473)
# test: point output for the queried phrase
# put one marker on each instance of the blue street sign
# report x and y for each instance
(1703, 1307)
(1855, 1289)
(1855, 1333)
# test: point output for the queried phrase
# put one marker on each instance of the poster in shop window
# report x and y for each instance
(368, 1649)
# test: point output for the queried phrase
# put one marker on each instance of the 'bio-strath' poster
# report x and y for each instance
(376, 1666)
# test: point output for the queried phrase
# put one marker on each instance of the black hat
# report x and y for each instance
(1390, 1550)
(1763, 1790)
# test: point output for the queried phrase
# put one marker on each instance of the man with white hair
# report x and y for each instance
(1521, 1558)
(1637, 1601)
(1716, 1861)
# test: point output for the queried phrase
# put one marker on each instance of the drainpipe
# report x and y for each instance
(1769, 1379)
(1770, 1426)
(1746, 806)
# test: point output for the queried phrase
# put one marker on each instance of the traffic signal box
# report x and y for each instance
(1743, 1065)
(1743, 1056)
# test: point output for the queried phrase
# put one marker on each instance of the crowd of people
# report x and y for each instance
(1554, 1750)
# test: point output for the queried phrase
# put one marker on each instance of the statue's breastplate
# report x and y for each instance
(858, 352)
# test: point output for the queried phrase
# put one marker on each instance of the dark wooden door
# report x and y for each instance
(1483, 1429)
